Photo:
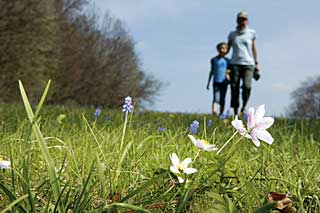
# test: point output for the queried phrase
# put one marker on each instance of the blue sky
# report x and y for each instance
(176, 39)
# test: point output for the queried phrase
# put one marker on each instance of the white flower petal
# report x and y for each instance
(200, 144)
(5, 164)
(254, 138)
(185, 162)
(251, 120)
(193, 139)
(236, 123)
(211, 148)
(180, 179)
(174, 159)
(189, 171)
(260, 111)
(265, 123)
(174, 170)
(247, 135)
(265, 136)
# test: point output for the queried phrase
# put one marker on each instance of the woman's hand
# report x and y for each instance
(257, 67)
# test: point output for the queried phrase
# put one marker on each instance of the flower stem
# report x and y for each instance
(124, 130)
(226, 143)
(196, 156)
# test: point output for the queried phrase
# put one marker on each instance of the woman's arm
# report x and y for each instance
(229, 46)
(255, 53)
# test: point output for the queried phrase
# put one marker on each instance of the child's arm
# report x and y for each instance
(228, 75)
(210, 75)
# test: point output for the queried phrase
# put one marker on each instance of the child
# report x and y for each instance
(219, 66)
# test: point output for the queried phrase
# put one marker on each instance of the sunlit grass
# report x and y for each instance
(86, 152)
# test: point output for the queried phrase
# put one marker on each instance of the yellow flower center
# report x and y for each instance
(205, 142)
(180, 167)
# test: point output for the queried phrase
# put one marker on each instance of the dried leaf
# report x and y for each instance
(284, 203)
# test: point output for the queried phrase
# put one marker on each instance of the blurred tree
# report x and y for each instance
(91, 62)
(28, 46)
(306, 99)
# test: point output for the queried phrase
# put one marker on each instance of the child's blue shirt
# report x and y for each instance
(219, 66)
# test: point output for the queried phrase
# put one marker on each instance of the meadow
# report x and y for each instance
(67, 159)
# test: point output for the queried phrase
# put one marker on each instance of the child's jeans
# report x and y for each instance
(219, 92)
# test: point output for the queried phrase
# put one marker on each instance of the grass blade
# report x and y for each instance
(43, 147)
(129, 206)
(43, 97)
(144, 186)
(11, 205)
(184, 199)
(79, 201)
(11, 196)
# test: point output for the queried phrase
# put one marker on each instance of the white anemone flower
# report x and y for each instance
(203, 144)
(5, 164)
(257, 126)
(236, 123)
(179, 169)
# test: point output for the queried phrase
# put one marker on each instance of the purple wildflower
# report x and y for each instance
(245, 116)
(194, 126)
(225, 115)
(222, 116)
(127, 107)
(97, 112)
(161, 129)
(228, 114)
(209, 123)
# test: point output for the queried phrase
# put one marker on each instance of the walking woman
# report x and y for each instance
(243, 61)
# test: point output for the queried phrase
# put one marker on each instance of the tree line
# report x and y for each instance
(91, 60)
(306, 99)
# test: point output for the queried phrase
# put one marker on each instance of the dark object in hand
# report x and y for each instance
(256, 74)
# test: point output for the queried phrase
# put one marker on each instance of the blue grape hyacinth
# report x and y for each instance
(194, 126)
(161, 129)
(225, 115)
(97, 113)
(209, 123)
(127, 107)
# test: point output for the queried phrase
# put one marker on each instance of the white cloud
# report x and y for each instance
(293, 54)
(143, 46)
(287, 58)
(281, 87)
(134, 11)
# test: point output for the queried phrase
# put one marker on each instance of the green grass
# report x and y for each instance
(94, 174)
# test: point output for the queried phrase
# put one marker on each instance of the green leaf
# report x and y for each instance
(222, 204)
(266, 208)
(60, 118)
